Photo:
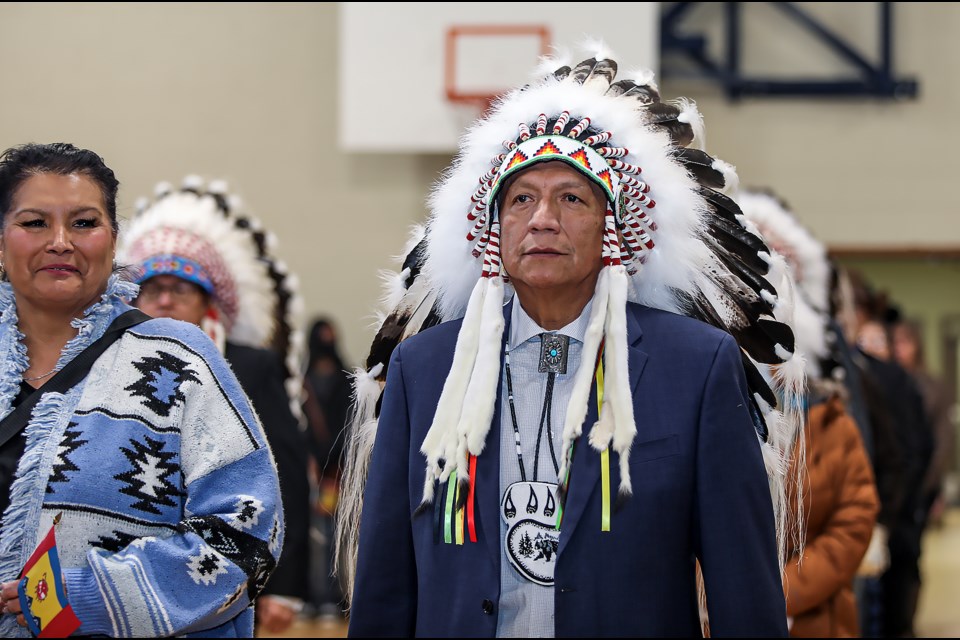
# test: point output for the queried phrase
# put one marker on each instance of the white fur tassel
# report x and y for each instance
(477, 413)
(475, 420)
(450, 404)
(612, 414)
(601, 434)
(616, 383)
(580, 396)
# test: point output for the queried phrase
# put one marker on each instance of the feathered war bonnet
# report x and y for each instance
(808, 270)
(199, 233)
(672, 241)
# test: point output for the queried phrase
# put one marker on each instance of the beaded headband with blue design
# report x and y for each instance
(173, 265)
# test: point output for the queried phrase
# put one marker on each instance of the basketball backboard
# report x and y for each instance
(414, 75)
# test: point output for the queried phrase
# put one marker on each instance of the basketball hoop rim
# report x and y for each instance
(483, 100)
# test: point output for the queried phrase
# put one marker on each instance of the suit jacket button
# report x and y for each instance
(488, 607)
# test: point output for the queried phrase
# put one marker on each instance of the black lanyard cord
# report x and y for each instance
(544, 417)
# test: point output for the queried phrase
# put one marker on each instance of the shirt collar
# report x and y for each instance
(523, 327)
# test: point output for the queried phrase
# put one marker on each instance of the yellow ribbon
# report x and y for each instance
(604, 462)
(459, 518)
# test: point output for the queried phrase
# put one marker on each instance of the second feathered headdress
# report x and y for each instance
(200, 233)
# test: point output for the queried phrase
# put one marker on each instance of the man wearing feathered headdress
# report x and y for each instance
(199, 259)
(559, 464)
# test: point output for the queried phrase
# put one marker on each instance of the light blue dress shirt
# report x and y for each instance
(526, 608)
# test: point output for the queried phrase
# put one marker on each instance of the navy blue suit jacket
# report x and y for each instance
(700, 492)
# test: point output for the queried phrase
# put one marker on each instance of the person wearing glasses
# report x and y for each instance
(198, 259)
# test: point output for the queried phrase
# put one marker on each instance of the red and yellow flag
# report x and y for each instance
(43, 597)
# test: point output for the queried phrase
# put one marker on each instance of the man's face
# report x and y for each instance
(168, 296)
(551, 229)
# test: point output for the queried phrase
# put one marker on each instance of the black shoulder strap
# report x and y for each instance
(71, 374)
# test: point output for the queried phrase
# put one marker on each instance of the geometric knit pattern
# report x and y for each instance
(247, 552)
(167, 489)
(147, 480)
(71, 441)
(115, 542)
(161, 381)
(206, 566)
(248, 511)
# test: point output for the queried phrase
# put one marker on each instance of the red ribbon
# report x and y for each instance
(471, 525)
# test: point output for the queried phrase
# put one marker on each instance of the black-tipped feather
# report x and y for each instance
(758, 339)
(755, 282)
(391, 334)
(723, 205)
(583, 70)
(395, 325)
(700, 166)
(433, 318)
(681, 134)
(643, 93)
(761, 339)
(562, 72)
(659, 112)
(698, 307)
(739, 241)
(605, 70)
(737, 293)
(756, 382)
(415, 261)
(620, 87)
(387, 338)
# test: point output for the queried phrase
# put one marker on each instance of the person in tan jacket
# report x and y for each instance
(840, 510)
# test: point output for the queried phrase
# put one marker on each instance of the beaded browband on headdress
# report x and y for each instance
(672, 241)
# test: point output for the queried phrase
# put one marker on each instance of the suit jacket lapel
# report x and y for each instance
(585, 472)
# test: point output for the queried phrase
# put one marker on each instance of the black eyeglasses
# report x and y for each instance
(179, 291)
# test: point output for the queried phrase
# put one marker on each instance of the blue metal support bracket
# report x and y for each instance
(870, 80)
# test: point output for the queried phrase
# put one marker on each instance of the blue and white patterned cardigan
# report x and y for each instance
(171, 517)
